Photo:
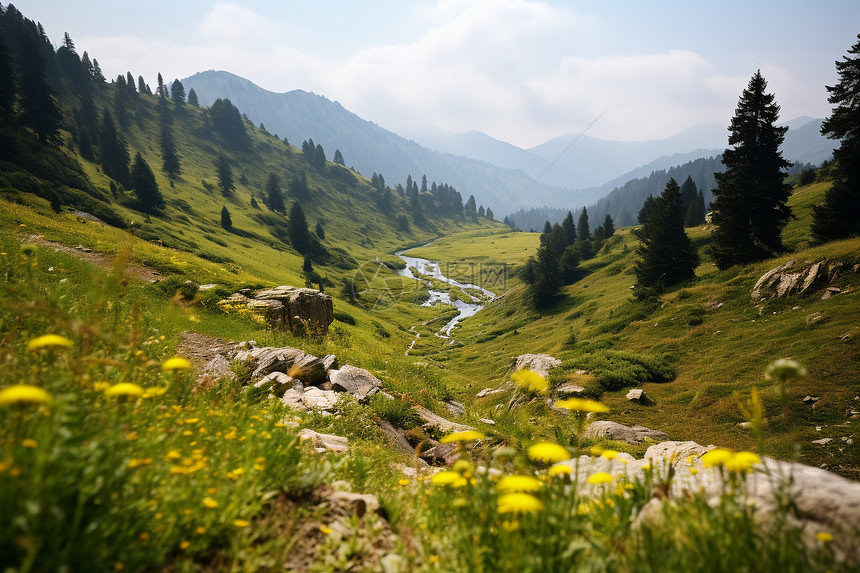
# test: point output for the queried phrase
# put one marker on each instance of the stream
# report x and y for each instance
(427, 268)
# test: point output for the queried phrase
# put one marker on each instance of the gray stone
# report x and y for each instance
(316, 399)
(217, 368)
(433, 421)
(622, 433)
(811, 399)
(327, 441)
(488, 421)
(568, 390)
(822, 441)
(356, 381)
(441, 454)
(329, 362)
(540, 363)
(277, 383)
(455, 408)
(292, 398)
(309, 369)
(290, 308)
(493, 391)
(637, 395)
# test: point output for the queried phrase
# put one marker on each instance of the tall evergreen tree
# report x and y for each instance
(145, 186)
(228, 122)
(192, 98)
(470, 207)
(583, 230)
(224, 171)
(568, 229)
(608, 226)
(839, 215)
(750, 206)
(170, 159)
(177, 92)
(338, 157)
(274, 196)
(666, 255)
(39, 109)
(696, 211)
(8, 85)
(297, 229)
(689, 192)
(161, 90)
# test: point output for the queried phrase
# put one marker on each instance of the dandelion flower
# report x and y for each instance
(154, 391)
(23, 393)
(609, 454)
(185, 545)
(559, 470)
(548, 452)
(445, 478)
(124, 389)
(715, 457)
(741, 462)
(518, 483)
(464, 436)
(824, 537)
(241, 522)
(582, 405)
(403, 482)
(531, 381)
(210, 503)
(519, 503)
(600, 478)
(464, 468)
(29, 443)
(176, 363)
(49, 341)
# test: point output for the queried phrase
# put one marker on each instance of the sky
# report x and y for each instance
(522, 71)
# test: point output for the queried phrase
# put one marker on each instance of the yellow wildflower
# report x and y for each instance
(824, 537)
(600, 478)
(463, 436)
(715, 457)
(185, 545)
(173, 455)
(464, 468)
(101, 386)
(403, 482)
(510, 525)
(210, 503)
(548, 452)
(48, 341)
(609, 454)
(530, 381)
(154, 391)
(124, 389)
(581, 405)
(518, 483)
(693, 471)
(741, 462)
(445, 478)
(241, 522)
(326, 530)
(200, 530)
(29, 443)
(519, 503)
(23, 393)
(560, 470)
(176, 363)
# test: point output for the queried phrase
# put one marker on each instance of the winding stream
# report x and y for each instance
(427, 268)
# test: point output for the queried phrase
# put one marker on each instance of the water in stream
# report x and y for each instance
(427, 268)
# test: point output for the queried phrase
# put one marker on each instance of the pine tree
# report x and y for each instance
(228, 122)
(696, 211)
(145, 187)
(192, 98)
(297, 229)
(320, 232)
(274, 196)
(568, 229)
(839, 215)
(481, 211)
(169, 158)
(471, 208)
(750, 206)
(689, 192)
(666, 255)
(338, 157)
(8, 86)
(490, 214)
(161, 90)
(582, 226)
(39, 109)
(226, 220)
(114, 153)
(177, 92)
(608, 226)
(224, 171)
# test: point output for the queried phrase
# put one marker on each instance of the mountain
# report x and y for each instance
(299, 115)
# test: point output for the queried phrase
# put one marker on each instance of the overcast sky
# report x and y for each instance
(521, 71)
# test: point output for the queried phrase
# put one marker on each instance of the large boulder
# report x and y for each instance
(356, 381)
(288, 308)
(540, 363)
(622, 433)
(292, 361)
(793, 278)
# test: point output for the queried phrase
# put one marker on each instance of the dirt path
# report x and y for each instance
(101, 260)
(201, 348)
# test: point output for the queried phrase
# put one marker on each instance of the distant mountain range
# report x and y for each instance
(571, 170)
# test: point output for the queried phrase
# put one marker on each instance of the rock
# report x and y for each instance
(329, 362)
(637, 395)
(441, 454)
(620, 432)
(488, 421)
(277, 383)
(830, 292)
(217, 368)
(540, 363)
(768, 279)
(811, 399)
(354, 503)
(298, 364)
(398, 440)
(568, 389)
(326, 441)
(316, 399)
(455, 408)
(793, 279)
(289, 308)
(433, 421)
(814, 318)
(204, 288)
(292, 398)
(492, 391)
(356, 381)
(822, 441)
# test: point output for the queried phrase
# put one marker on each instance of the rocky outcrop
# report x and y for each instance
(540, 363)
(323, 442)
(793, 278)
(292, 361)
(357, 381)
(622, 433)
(303, 310)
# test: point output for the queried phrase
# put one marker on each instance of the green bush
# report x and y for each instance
(615, 369)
